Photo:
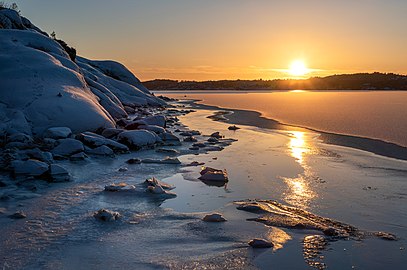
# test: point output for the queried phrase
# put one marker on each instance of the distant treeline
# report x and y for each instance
(359, 81)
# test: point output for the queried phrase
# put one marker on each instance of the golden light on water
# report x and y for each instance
(299, 192)
(298, 146)
(278, 237)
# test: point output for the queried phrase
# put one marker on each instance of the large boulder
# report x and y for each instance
(57, 133)
(95, 140)
(68, 147)
(136, 139)
(29, 167)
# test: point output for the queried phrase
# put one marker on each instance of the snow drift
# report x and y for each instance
(41, 87)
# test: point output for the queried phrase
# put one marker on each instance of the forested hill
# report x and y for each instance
(359, 81)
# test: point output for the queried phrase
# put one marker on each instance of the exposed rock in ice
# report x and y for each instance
(211, 174)
(260, 243)
(119, 187)
(29, 167)
(217, 135)
(215, 217)
(58, 173)
(213, 140)
(154, 182)
(106, 215)
(57, 133)
(136, 139)
(18, 215)
(155, 187)
(233, 127)
(102, 150)
(68, 147)
(167, 160)
(195, 163)
(133, 161)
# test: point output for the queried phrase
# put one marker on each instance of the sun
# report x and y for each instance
(298, 68)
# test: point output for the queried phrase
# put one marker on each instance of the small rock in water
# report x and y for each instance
(233, 127)
(154, 182)
(167, 160)
(211, 174)
(167, 151)
(18, 215)
(190, 139)
(213, 140)
(260, 243)
(123, 169)
(386, 236)
(133, 161)
(217, 135)
(195, 163)
(215, 217)
(106, 215)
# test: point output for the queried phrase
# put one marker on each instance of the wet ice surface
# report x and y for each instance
(295, 169)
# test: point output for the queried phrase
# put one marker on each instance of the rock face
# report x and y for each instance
(42, 87)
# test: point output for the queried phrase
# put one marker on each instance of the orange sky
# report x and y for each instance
(231, 39)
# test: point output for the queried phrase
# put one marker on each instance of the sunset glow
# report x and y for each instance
(298, 68)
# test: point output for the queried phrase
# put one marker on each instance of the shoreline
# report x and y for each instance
(254, 118)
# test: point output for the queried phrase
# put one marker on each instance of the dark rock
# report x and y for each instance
(18, 215)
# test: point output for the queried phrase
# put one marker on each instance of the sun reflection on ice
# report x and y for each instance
(299, 192)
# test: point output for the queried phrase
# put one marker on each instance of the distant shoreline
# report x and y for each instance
(254, 118)
(358, 81)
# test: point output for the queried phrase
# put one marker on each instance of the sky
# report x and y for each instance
(231, 39)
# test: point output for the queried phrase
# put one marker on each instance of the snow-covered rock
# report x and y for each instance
(136, 139)
(68, 147)
(57, 133)
(41, 87)
(29, 167)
